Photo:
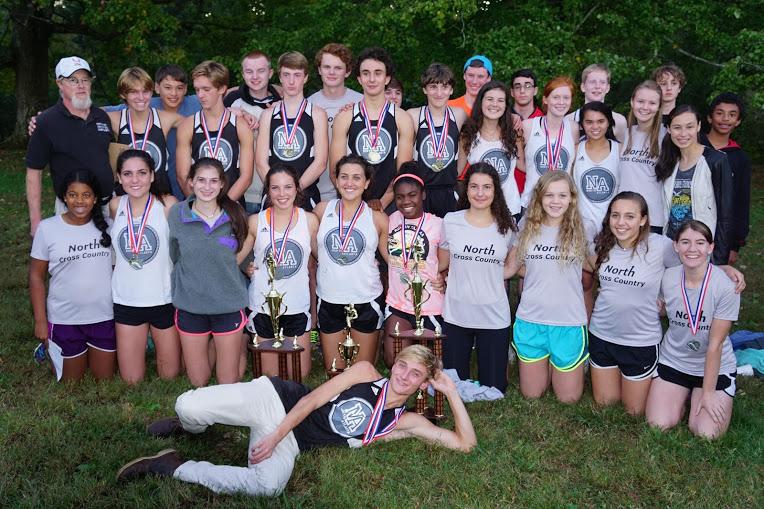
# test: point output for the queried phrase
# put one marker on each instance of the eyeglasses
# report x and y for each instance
(521, 86)
(73, 82)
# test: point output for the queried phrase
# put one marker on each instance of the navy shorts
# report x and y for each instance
(160, 317)
(293, 325)
(192, 324)
(331, 317)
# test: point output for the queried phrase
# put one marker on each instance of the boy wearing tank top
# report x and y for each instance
(373, 129)
(294, 132)
(334, 64)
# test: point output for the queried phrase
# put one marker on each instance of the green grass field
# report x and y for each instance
(61, 445)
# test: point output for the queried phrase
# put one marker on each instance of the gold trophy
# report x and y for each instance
(417, 290)
(348, 349)
(274, 300)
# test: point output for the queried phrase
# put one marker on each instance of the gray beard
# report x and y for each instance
(82, 104)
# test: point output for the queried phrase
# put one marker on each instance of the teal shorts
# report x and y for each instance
(567, 347)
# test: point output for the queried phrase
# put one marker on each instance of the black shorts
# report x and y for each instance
(440, 200)
(635, 362)
(160, 317)
(429, 320)
(192, 324)
(725, 382)
(331, 317)
(293, 325)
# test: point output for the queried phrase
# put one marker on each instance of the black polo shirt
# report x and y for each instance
(67, 143)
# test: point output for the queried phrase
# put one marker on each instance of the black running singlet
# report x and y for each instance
(382, 155)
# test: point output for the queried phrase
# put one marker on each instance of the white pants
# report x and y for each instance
(254, 404)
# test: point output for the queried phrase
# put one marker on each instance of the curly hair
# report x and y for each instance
(605, 239)
(571, 239)
(468, 138)
(499, 210)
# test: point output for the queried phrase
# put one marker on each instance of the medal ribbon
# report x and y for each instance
(135, 240)
(279, 255)
(438, 145)
(372, 430)
(145, 130)
(223, 120)
(406, 253)
(380, 120)
(694, 318)
(553, 154)
(344, 241)
(285, 121)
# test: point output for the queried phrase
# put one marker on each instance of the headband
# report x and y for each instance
(408, 175)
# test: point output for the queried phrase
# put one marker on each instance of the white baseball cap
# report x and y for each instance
(69, 65)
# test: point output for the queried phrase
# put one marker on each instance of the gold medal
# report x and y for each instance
(288, 153)
(135, 263)
(374, 157)
(438, 165)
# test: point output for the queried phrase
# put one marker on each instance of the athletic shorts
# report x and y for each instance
(74, 340)
(566, 346)
(635, 362)
(192, 324)
(160, 317)
(293, 325)
(440, 200)
(331, 317)
(429, 320)
(725, 382)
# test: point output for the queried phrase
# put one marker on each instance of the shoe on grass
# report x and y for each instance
(166, 427)
(162, 464)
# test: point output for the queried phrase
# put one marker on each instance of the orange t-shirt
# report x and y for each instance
(461, 102)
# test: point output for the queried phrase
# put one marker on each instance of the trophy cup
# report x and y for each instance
(348, 349)
(417, 290)
(273, 300)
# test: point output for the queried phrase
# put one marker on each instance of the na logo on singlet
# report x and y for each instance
(381, 149)
(224, 155)
(350, 417)
(598, 184)
(353, 251)
(153, 150)
(149, 246)
(394, 241)
(542, 160)
(288, 151)
(427, 155)
(291, 262)
(498, 159)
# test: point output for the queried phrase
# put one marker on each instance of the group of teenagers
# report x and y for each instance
(474, 191)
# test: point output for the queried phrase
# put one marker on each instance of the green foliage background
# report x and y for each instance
(720, 45)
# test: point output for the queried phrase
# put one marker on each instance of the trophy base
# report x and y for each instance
(270, 347)
(430, 415)
(331, 374)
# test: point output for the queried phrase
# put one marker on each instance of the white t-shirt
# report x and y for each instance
(626, 310)
(79, 291)
(638, 174)
(552, 291)
(475, 294)
(683, 350)
(332, 107)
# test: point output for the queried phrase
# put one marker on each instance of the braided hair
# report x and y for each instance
(96, 214)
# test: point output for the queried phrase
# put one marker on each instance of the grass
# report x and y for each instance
(63, 443)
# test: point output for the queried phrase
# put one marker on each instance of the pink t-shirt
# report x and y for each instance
(429, 238)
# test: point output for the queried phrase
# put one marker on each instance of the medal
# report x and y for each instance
(694, 317)
(553, 153)
(438, 144)
(223, 120)
(374, 156)
(136, 239)
(345, 239)
(145, 130)
(406, 253)
(693, 345)
(372, 430)
(438, 165)
(290, 135)
(278, 256)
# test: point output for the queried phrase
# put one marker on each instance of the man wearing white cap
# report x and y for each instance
(477, 72)
(71, 135)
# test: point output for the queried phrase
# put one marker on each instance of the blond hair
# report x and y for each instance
(570, 239)
(422, 355)
(216, 72)
(134, 78)
(654, 132)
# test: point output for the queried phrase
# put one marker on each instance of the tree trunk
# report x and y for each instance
(29, 46)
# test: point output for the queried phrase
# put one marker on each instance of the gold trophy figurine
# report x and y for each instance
(348, 349)
(273, 301)
(417, 289)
